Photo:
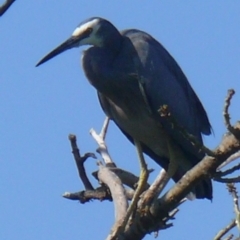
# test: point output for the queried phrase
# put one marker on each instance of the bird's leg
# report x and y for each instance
(174, 156)
(141, 183)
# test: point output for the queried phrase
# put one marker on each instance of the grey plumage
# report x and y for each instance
(134, 76)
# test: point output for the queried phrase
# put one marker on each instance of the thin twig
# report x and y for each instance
(233, 191)
(228, 171)
(101, 193)
(227, 180)
(225, 230)
(5, 6)
(230, 237)
(102, 149)
(227, 117)
(226, 114)
(104, 128)
(230, 159)
(80, 161)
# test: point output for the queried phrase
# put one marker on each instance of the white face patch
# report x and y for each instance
(92, 39)
(92, 24)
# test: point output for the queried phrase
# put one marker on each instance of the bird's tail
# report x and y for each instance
(204, 189)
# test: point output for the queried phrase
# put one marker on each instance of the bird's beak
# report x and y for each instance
(70, 43)
(73, 41)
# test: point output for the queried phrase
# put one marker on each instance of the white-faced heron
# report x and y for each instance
(134, 76)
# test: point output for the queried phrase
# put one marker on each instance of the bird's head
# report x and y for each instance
(94, 31)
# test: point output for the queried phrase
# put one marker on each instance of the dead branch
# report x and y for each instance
(127, 178)
(227, 180)
(205, 168)
(226, 114)
(155, 189)
(101, 193)
(155, 214)
(106, 176)
(225, 230)
(233, 191)
(5, 6)
(229, 160)
(80, 161)
(99, 138)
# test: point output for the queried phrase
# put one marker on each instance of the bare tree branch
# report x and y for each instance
(225, 230)
(205, 168)
(152, 214)
(5, 6)
(126, 177)
(229, 160)
(226, 114)
(155, 189)
(227, 180)
(101, 193)
(106, 176)
(233, 191)
(80, 162)
(104, 128)
(102, 149)
(155, 219)
(229, 171)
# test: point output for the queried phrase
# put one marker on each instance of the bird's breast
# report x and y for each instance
(142, 127)
(122, 99)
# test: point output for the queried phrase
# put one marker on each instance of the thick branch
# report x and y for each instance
(156, 217)
(155, 189)
(206, 167)
(146, 223)
(126, 177)
(114, 183)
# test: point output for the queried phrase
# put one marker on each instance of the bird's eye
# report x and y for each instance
(89, 30)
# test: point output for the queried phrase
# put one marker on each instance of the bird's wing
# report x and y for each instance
(164, 79)
(165, 84)
(194, 103)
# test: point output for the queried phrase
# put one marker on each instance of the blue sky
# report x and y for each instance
(39, 107)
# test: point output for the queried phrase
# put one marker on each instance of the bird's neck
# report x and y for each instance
(112, 41)
(97, 64)
(120, 87)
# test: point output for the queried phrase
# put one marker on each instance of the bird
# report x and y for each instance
(134, 76)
